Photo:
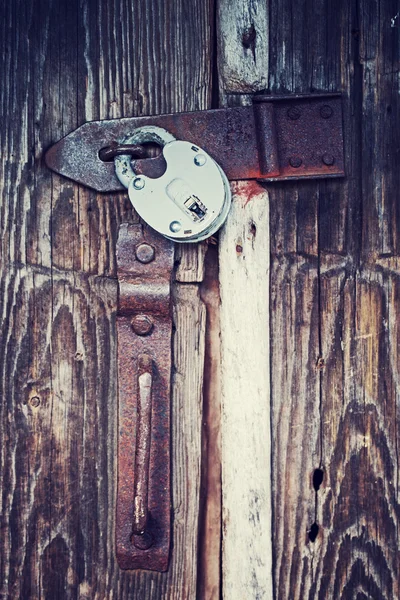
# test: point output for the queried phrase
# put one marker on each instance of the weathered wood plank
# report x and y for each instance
(63, 63)
(242, 38)
(348, 465)
(57, 494)
(245, 430)
(242, 46)
(209, 572)
(189, 320)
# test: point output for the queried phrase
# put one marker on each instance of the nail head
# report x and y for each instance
(294, 113)
(326, 111)
(328, 159)
(295, 162)
(145, 253)
(142, 324)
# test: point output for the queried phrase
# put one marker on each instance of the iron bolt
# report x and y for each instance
(142, 325)
(326, 111)
(328, 159)
(295, 162)
(294, 113)
(145, 253)
(138, 183)
(200, 160)
(142, 541)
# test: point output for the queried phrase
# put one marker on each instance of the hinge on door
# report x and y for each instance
(144, 326)
(277, 138)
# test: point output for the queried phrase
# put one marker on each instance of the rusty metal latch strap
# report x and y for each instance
(278, 137)
(144, 328)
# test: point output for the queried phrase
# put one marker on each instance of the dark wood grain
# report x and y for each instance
(63, 63)
(337, 331)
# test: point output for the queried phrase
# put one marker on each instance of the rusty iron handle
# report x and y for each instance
(143, 444)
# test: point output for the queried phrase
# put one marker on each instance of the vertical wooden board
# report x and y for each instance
(245, 430)
(313, 227)
(242, 46)
(209, 571)
(295, 411)
(358, 502)
(58, 337)
(380, 64)
(65, 63)
(188, 365)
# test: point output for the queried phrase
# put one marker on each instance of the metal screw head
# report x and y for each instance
(138, 183)
(142, 541)
(294, 113)
(145, 253)
(326, 111)
(328, 159)
(142, 324)
(175, 226)
(200, 160)
(295, 162)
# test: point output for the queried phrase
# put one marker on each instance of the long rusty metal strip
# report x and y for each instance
(144, 327)
(278, 138)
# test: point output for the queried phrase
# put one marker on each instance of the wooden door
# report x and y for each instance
(286, 373)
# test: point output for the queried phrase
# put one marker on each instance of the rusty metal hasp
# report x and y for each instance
(144, 326)
(277, 138)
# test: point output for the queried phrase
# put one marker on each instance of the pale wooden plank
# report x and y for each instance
(245, 429)
(242, 46)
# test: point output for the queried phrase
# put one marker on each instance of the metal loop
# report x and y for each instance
(108, 153)
(148, 133)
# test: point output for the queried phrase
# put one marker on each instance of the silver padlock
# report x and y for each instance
(190, 201)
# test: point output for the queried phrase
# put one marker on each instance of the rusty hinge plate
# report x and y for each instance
(144, 328)
(278, 137)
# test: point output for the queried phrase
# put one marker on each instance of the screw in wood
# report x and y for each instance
(294, 113)
(145, 253)
(142, 324)
(328, 159)
(326, 111)
(295, 162)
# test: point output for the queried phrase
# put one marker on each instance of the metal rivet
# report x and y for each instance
(145, 253)
(138, 183)
(328, 159)
(200, 160)
(294, 113)
(142, 325)
(34, 401)
(295, 162)
(326, 111)
(175, 226)
(142, 541)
